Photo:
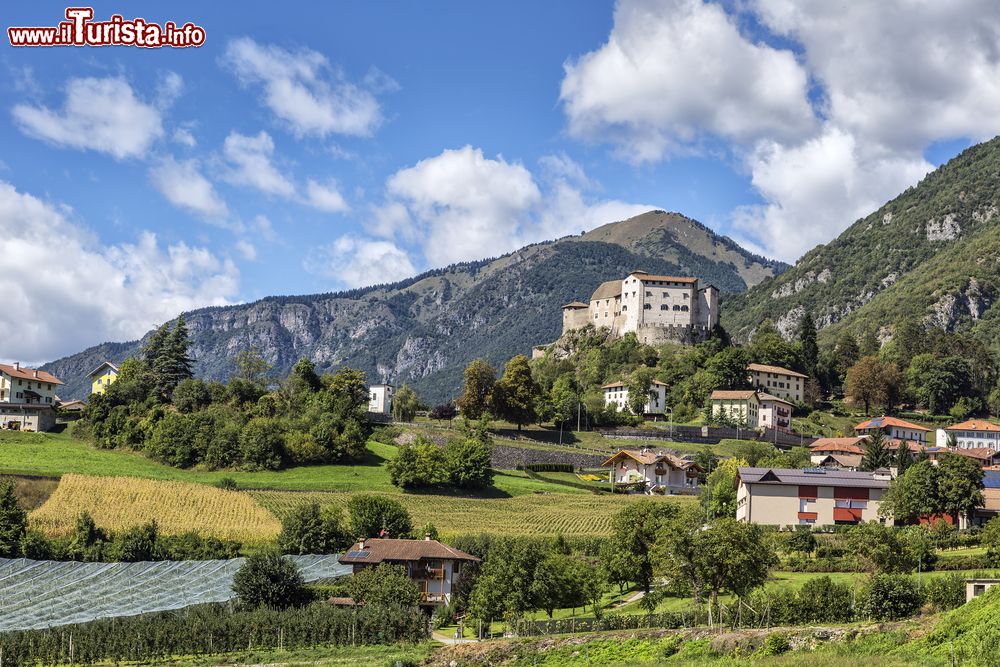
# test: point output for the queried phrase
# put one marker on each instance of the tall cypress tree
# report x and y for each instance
(876, 455)
(902, 460)
(807, 340)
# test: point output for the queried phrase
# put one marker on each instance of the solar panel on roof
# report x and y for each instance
(991, 479)
(358, 554)
(814, 471)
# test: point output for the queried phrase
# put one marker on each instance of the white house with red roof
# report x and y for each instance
(658, 471)
(894, 429)
(971, 434)
(27, 398)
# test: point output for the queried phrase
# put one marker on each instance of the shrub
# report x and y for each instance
(135, 544)
(261, 446)
(227, 484)
(443, 411)
(889, 597)
(418, 465)
(470, 464)
(945, 592)
(822, 600)
(384, 585)
(776, 643)
(191, 395)
(375, 516)
(307, 530)
(173, 440)
(269, 580)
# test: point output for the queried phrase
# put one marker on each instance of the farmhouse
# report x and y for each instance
(102, 377)
(380, 399)
(825, 447)
(616, 393)
(27, 398)
(893, 429)
(435, 567)
(657, 471)
(778, 381)
(657, 309)
(812, 497)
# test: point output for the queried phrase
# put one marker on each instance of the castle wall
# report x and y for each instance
(604, 312)
(660, 334)
(708, 307)
(574, 318)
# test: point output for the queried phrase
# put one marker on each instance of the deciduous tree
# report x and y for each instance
(477, 392)
(516, 393)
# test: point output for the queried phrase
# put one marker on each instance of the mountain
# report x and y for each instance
(932, 252)
(425, 330)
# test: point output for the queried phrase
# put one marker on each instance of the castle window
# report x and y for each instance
(666, 294)
(624, 308)
(685, 295)
(684, 308)
(648, 293)
(664, 306)
(676, 307)
(647, 306)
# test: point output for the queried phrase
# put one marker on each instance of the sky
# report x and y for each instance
(337, 145)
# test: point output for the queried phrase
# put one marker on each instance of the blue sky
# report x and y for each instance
(334, 145)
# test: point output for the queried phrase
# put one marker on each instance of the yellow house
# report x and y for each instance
(102, 377)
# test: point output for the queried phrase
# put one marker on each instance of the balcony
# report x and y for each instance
(808, 515)
(847, 514)
(433, 598)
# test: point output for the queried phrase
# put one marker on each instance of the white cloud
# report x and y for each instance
(674, 71)
(325, 197)
(247, 250)
(250, 161)
(304, 90)
(82, 292)
(460, 205)
(814, 190)
(359, 262)
(182, 183)
(103, 115)
(184, 137)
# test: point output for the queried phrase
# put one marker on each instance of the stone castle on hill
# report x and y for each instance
(657, 309)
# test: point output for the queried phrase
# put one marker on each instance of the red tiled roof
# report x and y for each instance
(645, 277)
(977, 452)
(764, 368)
(974, 425)
(880, 422)
(649, 458)
(768, 397)
(377, 550)
(29, 374)
(732, 394)
(892, 444)
(852, 445)
(612, 385)
(575, 304)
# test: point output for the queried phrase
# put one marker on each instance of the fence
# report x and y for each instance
(708, 435)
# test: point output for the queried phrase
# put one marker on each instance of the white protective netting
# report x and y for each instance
(42, 594)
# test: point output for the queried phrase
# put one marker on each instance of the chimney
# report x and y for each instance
(36, 373)
(361, 544)
(17, 365)
(427, 537)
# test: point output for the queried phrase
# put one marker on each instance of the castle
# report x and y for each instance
(658, 309)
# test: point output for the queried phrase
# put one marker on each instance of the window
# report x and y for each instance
(48, 399)
(664, 306)
(685, 295)
(676, 307)
(851, 504)
(804, 504)
(647, 306)
(666, 294)
(624, 308)
(20, 394)
(19, 382)
(684, 308)
(50, 385)
(648, 293)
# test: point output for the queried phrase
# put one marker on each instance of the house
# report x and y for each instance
(659, 471)
(27, 398)
(102, 377)
(380, 399)
(984, 456)
(991, 498)
(812, 496)
(778, 381)
(970, 434)
(741, 406)
(826, 447)
(845, 461)
(774, 413)
(657, 309)
(76, 406)
(435, 567)
(893, 429)
(616, 393)
(976, 587)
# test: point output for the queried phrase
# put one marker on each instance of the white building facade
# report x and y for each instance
(970, 434)
(380, 398)
(617, 394)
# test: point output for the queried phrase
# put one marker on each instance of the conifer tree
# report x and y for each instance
(876, 455)
(902, 460)
(807, 339)
(13, 521)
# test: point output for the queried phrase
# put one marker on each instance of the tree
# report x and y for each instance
(504, 585)
(267, 579)
(902, 459)
(444, 411)
(718, 495)
(469, 462)
(889, 597)
(869, 345)
(13, 521)
(990, 538)
(636, 528)
(477, 393)
(734, 556)
(768, 346)
(191, 395)
(303, 380)
(136, 544)
(877, 548)
(912, 494)
(404, 404)
(564, 399)
(516, 393)
(261, 444)
(553, 586)
(846, 352)
(801, 540)
(807, 344)
(419, 464)
(959, 485)
(384, 585)
(872, 381)
(729, 368)
(251, 366)
(308, 530)
(378, 516)
(876, 455)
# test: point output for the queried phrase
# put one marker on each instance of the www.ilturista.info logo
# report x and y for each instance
(81, 30)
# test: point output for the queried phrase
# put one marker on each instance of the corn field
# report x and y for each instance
(118, 503)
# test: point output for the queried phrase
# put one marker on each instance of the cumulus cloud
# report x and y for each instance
(250, 164)
(93, 292)
(325, 197)
(304, 90)
(673, 71)
(889, 79)
(246, 249)
(358, 262)
(460, 205)
(103, 115)
(184, 186)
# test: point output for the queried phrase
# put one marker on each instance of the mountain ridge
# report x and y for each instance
(423, 330)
